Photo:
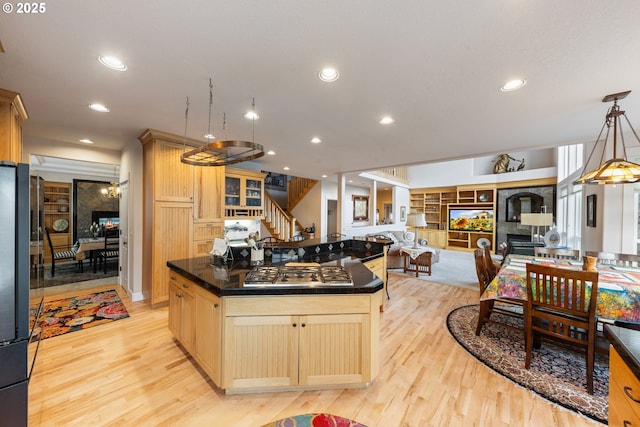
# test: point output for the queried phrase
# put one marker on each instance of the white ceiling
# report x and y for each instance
(435, 66)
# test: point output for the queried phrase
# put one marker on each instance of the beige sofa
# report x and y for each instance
(400, 239)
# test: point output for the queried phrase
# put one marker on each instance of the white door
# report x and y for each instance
(124, 235)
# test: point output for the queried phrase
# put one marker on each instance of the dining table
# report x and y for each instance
(618, 287)
(88, 245)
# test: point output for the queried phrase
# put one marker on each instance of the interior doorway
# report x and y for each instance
(332, 216)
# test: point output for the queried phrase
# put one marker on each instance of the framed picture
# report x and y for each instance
(360, 208)
(591, 210)
(403, 213)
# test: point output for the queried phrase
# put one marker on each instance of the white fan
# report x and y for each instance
(483, 242)
(552, 238)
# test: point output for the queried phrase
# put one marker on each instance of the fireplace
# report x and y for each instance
(103, 218)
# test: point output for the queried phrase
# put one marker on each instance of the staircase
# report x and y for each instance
(276, 219)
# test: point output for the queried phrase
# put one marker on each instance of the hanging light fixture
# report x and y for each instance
(617, 170)
(113, 190)
(220, 153)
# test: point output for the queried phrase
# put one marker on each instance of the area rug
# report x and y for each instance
(315, 420)
(77, 313)
(69, 273)
(558, 374)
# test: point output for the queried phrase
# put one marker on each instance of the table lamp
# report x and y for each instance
(536, 220)
(416, 220)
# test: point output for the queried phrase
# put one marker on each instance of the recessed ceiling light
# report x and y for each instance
(86, 141)
(286, 168)
(271, 153)
(209, 136)
(329, 74)
(251, 115)
(513, 85)
(99, 107)
(324, 176)
(112, 62)
(316, 140)
(386, 120)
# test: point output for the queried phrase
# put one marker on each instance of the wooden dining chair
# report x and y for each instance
(561, 304)
(557, 253)
(612, 258)
(111, 249)
(502, 306)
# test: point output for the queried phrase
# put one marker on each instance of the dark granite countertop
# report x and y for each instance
(627, 343)
(227, 278)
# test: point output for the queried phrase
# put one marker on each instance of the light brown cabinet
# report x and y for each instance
(182, 311)
(624, 393)
(12, 116)
(243, 193)
(57, 216)
(378, 267)
(283, 350)
(208, 345)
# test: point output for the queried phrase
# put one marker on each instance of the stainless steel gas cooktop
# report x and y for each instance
(298, 275)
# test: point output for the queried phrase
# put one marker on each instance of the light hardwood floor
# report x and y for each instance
(132, 373)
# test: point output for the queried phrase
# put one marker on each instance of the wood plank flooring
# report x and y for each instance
(132, 373)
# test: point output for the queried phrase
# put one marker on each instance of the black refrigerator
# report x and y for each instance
(14, 292)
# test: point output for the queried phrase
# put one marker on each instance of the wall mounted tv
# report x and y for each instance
(471, 219)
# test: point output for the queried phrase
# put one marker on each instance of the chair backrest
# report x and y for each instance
(612, 258)
(557, 253)
(481, 269)
(46, 234)
(111, 239)
(491, 268)
(570, 292)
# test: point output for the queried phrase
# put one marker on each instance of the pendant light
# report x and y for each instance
(616, 170)
(113, 190)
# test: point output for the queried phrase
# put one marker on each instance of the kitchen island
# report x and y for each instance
(266, 338)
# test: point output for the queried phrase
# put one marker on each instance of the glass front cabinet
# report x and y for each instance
(244, 193)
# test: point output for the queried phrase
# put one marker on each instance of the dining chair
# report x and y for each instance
(557, 253)
(612, 258)
(110, 250)
(561, 304)
(61, 253)
(503, 306)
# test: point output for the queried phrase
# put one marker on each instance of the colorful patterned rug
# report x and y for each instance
(315, 420)
(558, 374)
(76, 313)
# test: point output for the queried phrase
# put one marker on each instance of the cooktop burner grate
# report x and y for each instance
(297, 275)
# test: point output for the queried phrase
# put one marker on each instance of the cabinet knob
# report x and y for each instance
(215, 305)
(184, 285)
(303, 325)
(295, 324)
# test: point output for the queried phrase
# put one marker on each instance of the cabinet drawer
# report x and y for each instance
(207, 230)
(620, 404)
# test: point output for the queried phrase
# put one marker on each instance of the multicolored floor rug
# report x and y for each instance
(315, 420)
(76, 313)
(557, 373)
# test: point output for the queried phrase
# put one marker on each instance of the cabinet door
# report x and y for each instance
(172, 179)
(208, 333)
(209, 194)
(341, 362)
(172, 239)
(261, 351)
(182, 312)
(232, 193)
(253, 193)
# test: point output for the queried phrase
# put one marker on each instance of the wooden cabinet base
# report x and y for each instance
(279, 342)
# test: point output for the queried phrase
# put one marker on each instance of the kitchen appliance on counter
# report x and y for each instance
(14, 292)
(298, 275)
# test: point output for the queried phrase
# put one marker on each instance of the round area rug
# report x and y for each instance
(315, 420)
(557, 373)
